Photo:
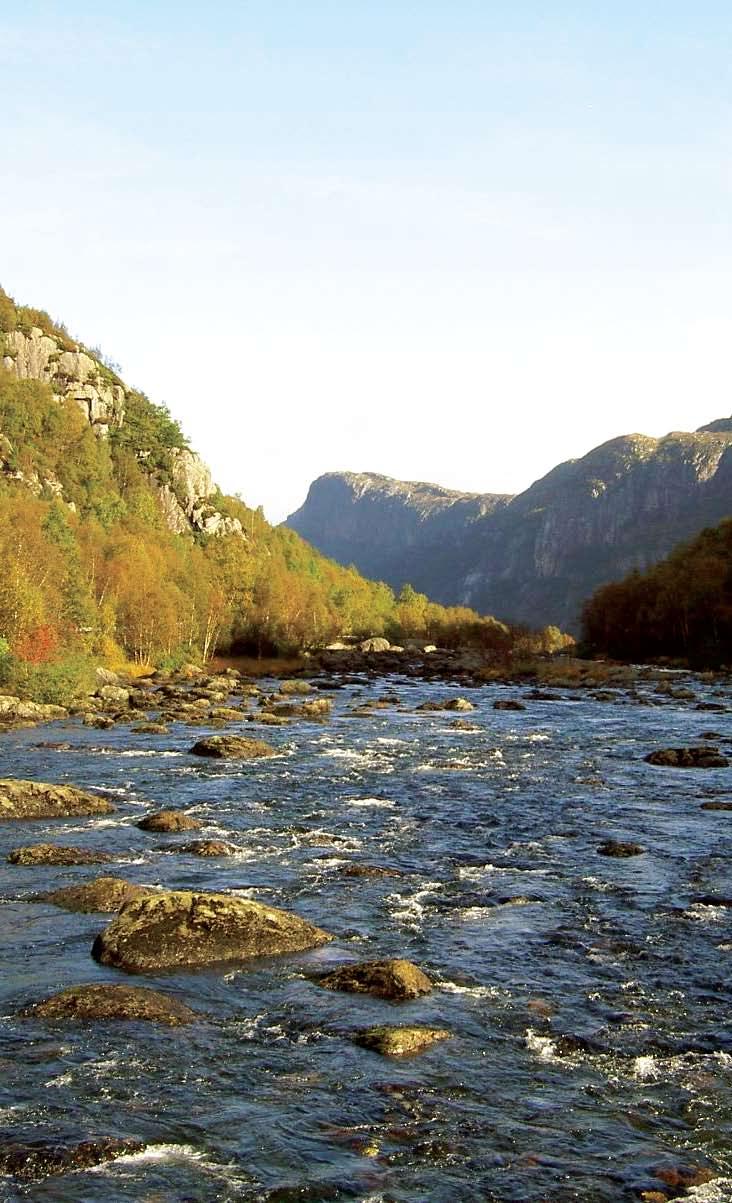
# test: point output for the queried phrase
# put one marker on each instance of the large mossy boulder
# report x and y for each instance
(395, 979)
(57, 854)
(707, 757)
(105, 1001)
(103, 894)
(399, 1041)
(181, 929)
(232, 747)
(40, 800)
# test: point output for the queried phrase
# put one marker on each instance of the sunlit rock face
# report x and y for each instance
(536, 557)
(77, 376)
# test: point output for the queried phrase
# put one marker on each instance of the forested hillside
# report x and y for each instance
(681, 608)
(116, 545)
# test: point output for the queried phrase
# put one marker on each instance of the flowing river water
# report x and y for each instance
(588, 997)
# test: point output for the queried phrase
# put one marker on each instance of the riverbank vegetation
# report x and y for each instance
(679, 610)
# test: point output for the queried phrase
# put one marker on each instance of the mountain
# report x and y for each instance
(397, 531)
(536, 557)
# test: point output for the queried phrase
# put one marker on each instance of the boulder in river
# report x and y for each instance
(12, 708)
(105, 1001)
(399, 1041)
(208, 848)
(268, 719)
(232, 747)
(40, 800)
(295, 687)
(57, 854)
(716, 805)
(318, 708)
(395, 979)
(508, 704)
(620, 848)
(707, 757)
(32, 1160)
(355, 869)
(101, 894)
(183, 929)
(170, 820)
(377, 644)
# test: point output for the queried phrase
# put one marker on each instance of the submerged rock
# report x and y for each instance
(40, 800)
(716, 806)
(463, 724)
(232, 747)
(620, 849)
(181, 929)
(102, 894)
(111, 1002)
(688, 758)
(399, 1041)
(57, 854)
(151, 728)
(32, 1160)
(508, 704)
(394, 979)
(354, 869)
(170, 820)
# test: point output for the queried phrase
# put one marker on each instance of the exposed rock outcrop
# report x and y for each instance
(181, 929)
(40, 800)
(170, 820)
(56, 854)
(707, 757)
(105, 1001)
(399, 1041)
(104, 894)
(396, 979)
(232, 747)
(72, 374)
(30, 1161)
(75, 374)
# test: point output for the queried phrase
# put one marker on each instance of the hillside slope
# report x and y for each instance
(536, 557)
(116, 543)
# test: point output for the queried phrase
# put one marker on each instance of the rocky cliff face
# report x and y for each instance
(74, 374)
(392, 530)
(536, 557)
(71, 373)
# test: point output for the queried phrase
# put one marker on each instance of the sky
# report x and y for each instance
(455, 241)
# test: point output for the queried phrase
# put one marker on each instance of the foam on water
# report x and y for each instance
(542, 1047)
(372, 803)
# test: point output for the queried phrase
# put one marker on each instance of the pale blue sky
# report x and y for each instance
(457, 242)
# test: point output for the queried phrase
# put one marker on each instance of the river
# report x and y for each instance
(588, 997)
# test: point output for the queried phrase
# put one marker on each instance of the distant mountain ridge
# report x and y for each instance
(535, 557)
(405, 531)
